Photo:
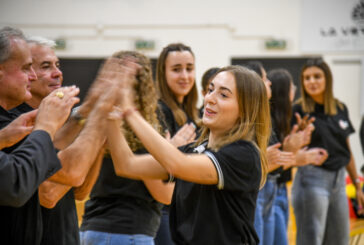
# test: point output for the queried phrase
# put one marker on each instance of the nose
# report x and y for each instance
(184, 74)
(210, 98)
(268, 82)
(57, 72)
(32, 76)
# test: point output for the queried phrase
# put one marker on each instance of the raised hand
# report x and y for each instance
(55, 109)
(294, 141)
(303, 122)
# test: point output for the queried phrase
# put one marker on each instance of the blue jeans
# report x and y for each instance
(320, 206)
(264, 211)
(104, 238)
(281, 214)
(163, 236)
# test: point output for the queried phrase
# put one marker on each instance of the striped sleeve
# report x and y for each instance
(220, 183)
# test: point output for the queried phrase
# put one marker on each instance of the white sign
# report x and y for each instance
(332, 25)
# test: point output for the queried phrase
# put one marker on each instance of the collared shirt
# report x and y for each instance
(60, 224)
(36, 161)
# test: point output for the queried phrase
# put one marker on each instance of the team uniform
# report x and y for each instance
(222, 213)
(318, 193)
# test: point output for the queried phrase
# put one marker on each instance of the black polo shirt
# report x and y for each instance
(121, 205)
(60, 224)
(222, 213)
(331, 133)
(23, 225)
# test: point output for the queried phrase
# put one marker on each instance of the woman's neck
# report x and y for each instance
(180, 99)
(214, 138)
(319, 99)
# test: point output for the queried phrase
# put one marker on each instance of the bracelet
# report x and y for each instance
(128, 111)
(357, 181)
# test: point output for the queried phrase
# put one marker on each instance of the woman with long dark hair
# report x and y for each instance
(283, 92)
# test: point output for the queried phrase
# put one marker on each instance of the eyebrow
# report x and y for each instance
(176, 65)
(221, 88)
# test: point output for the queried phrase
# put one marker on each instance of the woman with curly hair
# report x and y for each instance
(120, 209)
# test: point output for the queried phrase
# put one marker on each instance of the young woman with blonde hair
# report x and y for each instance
(217, 178)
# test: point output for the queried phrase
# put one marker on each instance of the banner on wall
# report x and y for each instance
(332, 25)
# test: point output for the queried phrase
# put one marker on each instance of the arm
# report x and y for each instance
(35, 159)
(194, 168)
(50, 193)
(160, 191)
(351, 169)
(190, 167)
(84, 190)
(128, 165)
(26, 168)
(78, 158)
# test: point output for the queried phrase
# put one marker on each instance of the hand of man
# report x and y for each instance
(55, 109)
(17, 129)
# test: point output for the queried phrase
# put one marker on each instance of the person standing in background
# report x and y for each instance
(178, 97)
(318, 193)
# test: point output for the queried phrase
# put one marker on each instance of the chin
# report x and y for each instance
(27, 96)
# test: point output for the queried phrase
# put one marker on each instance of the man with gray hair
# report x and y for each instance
(21, 223)
(79, 146)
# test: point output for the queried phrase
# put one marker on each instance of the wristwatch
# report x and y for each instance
(77, 116)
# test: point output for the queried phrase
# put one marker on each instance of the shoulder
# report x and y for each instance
(238, 166)
(163, 106)
(239, 152)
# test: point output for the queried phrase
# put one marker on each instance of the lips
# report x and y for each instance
(209, 112)
(184, 85)
(55, 85)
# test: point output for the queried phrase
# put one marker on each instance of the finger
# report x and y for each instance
(71, 92)
(294, 129)
(28, 129)
(276, 145)
(298, 118)
(311, 120)
(29, 115)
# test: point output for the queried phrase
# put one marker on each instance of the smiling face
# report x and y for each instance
(314, 83)
(180, 73)
(46, 66)
(221, 103)
(16, 75)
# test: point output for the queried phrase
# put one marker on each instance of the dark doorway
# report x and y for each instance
(82, 72)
